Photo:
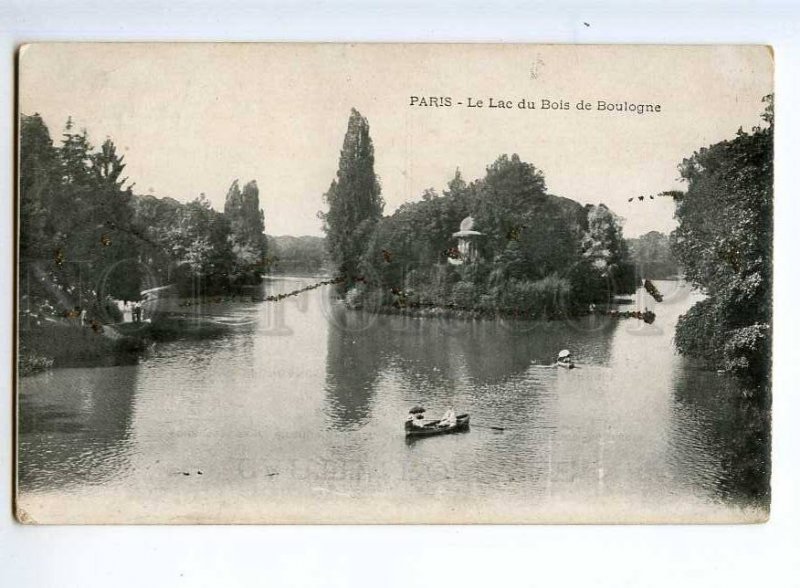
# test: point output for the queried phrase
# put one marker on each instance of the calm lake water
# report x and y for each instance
(297, 414)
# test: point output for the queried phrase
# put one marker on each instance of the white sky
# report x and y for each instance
(192, 118)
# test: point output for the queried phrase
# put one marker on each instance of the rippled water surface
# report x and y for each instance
(298, 412)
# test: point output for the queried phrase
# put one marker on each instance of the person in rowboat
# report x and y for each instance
(449, 418)
(565, 359)
(415, 420)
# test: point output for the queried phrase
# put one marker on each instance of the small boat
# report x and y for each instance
(565, 359)
(433, 428)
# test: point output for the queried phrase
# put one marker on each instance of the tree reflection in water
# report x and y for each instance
(78, 432)
(353, 364)
(736, 428)
(440, 358)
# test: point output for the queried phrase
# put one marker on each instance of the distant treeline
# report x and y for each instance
(537, 254)
(304, 255)
(87, 238)
(653, 257)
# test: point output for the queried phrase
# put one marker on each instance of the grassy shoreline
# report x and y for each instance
(55, 345)
(52, 344)
(451, 311)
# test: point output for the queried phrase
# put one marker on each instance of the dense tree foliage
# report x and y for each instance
(86, 238)
(506, 201)
(39, 181)
(724, 243)
(538, 253)
(248, 241)
(200, 245)
(653, 257)
(413, 239)
(74, 218)
(354, 198)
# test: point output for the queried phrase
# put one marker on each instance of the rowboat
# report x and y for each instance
(564, 359)
(433, 428)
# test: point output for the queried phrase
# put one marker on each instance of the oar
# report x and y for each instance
(493, 428)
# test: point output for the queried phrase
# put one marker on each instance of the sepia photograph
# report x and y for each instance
(393, 283)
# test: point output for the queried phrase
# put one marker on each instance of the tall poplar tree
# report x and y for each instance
(354, 198)
(249, 243)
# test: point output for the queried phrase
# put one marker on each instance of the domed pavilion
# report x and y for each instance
(467, 238)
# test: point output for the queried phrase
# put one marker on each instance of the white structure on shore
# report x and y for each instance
(467, 238)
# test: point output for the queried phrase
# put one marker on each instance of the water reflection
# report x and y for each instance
(75, 426)
(497, 351)
(429, 357)
(308, 399)
(354, 360)
(735, 436)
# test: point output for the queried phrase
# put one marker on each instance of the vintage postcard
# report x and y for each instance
(401, 283)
